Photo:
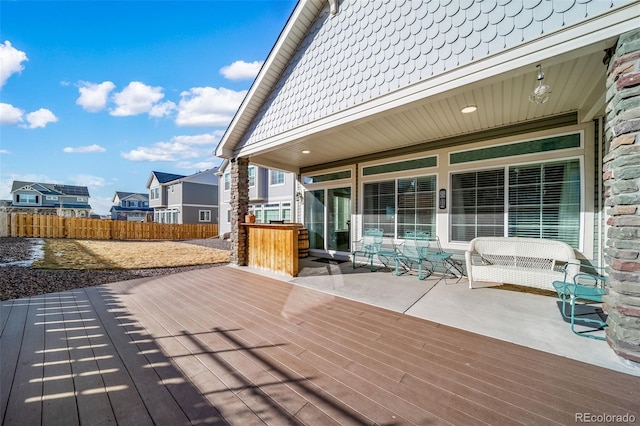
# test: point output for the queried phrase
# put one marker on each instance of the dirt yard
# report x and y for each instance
(92, 254)
(30, 267)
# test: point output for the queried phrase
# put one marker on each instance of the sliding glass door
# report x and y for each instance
(327, 216)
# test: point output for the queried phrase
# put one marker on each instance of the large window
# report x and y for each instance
(400, 205)
(541, 201)
(271, 212)
(27, 198)
(544, 201)
(477, 204)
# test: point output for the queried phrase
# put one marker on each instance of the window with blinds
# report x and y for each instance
(380, 206)
(406, 204)
(542, 201)
(477, 204)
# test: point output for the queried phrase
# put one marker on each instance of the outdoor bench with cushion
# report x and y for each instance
(531, 262)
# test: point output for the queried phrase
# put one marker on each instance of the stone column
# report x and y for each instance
(239, 207)
(622, 179)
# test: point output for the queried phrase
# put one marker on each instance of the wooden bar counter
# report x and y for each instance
(273, 247)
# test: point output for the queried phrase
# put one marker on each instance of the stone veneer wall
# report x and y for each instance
(622, 179)
(239, 208)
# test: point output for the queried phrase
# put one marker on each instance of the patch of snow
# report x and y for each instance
(37, 253)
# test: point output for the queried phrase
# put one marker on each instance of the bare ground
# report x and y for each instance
(22, 281)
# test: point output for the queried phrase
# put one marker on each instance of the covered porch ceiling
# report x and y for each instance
(576, 79)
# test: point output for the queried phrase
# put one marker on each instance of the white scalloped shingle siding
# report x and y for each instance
(373, 47)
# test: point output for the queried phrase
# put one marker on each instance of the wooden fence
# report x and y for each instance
(43, 226)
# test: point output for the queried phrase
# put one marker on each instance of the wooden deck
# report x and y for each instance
(225, 346)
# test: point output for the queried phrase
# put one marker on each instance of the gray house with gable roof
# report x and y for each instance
(131, 206)
(49, 199)
(184, 199)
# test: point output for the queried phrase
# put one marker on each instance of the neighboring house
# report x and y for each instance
(131, 206)
(49, 199)
(435, 115)
(271, 195)
(184, 199)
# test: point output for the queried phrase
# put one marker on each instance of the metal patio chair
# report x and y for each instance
(368, 247)
(588, 284)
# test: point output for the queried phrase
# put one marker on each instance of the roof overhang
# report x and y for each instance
(430, 110)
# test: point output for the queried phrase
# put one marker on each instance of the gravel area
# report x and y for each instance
(18, 280)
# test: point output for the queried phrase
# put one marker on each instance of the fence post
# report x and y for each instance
(4, 224)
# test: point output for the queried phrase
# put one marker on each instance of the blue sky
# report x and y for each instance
(103, 93)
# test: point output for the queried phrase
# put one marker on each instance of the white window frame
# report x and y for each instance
(385, 177)
(227, 181)
(280, 177)
(154, 193)
(27, 198)
(251, 176)
(505, 168)
(206, 214)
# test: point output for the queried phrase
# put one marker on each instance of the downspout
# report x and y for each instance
(599, 181)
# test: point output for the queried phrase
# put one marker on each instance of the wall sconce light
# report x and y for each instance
(541, 93)
(299, 196)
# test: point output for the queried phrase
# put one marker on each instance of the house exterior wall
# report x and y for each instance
(174, 193)
(153, 201)
(192, 214)
(75, 206)
(279, 196)
(441, 166)
(196, 193)
(622, 175)
(369, 49)
(189, 198)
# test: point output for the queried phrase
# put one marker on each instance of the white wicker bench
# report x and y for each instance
(531, 262)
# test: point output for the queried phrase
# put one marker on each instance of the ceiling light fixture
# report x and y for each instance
(306, 151)
(541, 93)
(468, 109)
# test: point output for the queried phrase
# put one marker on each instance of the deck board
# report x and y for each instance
(25, 399)
(57, 358)
(225, 346)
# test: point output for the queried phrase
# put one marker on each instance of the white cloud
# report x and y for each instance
(136, 98)
(4, 152)
(40, 118)
(84, 149)
(179, 148)
(93, 97)
(88, 181)
(147, 154)
(206, 106)
(202, 165)
(241, 70)
(10, 114)
(10, 61)
(163, 109)
(101, 204)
